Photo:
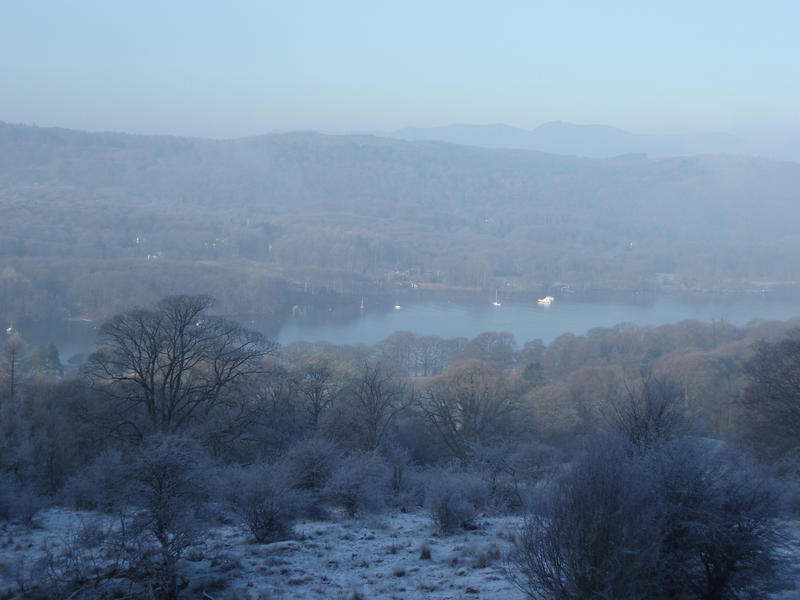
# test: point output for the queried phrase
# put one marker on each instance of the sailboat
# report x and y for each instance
(496, 299)
(362, 302)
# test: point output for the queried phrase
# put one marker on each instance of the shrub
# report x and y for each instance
(454, 500)
(18, 503)
(412, 494)
(309, 465)
(86, 564)
(721, 534)
(169, 485)
(652, 413)
(141, 548)
(595, 534)
(678, 520)
(100, 485)
(483, 555)
(263, 496)
(512, 471)
(399, 459)
(310, 462)
(360, 483)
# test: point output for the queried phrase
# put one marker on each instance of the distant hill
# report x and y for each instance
(595, 141)
(87, 214)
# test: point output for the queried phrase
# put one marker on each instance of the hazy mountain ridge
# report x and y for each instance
(598, 141)
(383, 177)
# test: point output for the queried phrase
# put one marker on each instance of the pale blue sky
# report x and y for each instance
(227, 69)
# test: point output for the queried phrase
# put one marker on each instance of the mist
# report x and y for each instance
(344, 300)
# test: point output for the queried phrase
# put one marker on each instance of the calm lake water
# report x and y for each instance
(526, 320)
(466, 316)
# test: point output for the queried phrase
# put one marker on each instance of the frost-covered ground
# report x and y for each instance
(378, 556)
(373, 557)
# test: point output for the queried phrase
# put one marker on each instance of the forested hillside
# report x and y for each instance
(93, 221)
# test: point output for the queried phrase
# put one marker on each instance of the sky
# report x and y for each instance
(234, 68)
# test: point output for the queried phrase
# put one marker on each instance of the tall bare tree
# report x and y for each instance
(319, 387)
(377, 395)
(172, 362)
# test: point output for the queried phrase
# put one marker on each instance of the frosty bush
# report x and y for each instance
(137, 550)
(360, 483)
(595, 536)
(412, 493)
(18, 503)
(678, 520)
(309, 465)
(169, 486)
(99, 486)
(399, 460)
(22, 464)
(454, 500)
(311, 461)
(264, 498)
(86, 564)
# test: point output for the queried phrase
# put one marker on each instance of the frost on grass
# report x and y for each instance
(342, 557)
(392, 555)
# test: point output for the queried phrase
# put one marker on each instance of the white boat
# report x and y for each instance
(362, 302)
(547, 300)
(496, 299)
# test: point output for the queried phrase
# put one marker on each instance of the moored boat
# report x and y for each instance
(496, 299)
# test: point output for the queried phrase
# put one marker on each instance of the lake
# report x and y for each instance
(466, 315)
(525, 319)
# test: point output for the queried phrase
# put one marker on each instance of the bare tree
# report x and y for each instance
(173, 361)
(374, 399)
(428, 355)
(651, 413)
(276, 419)
(772, 397)
(467, 403)
(13, 355)
(493, 347)
(399, 348)
(319, 387)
